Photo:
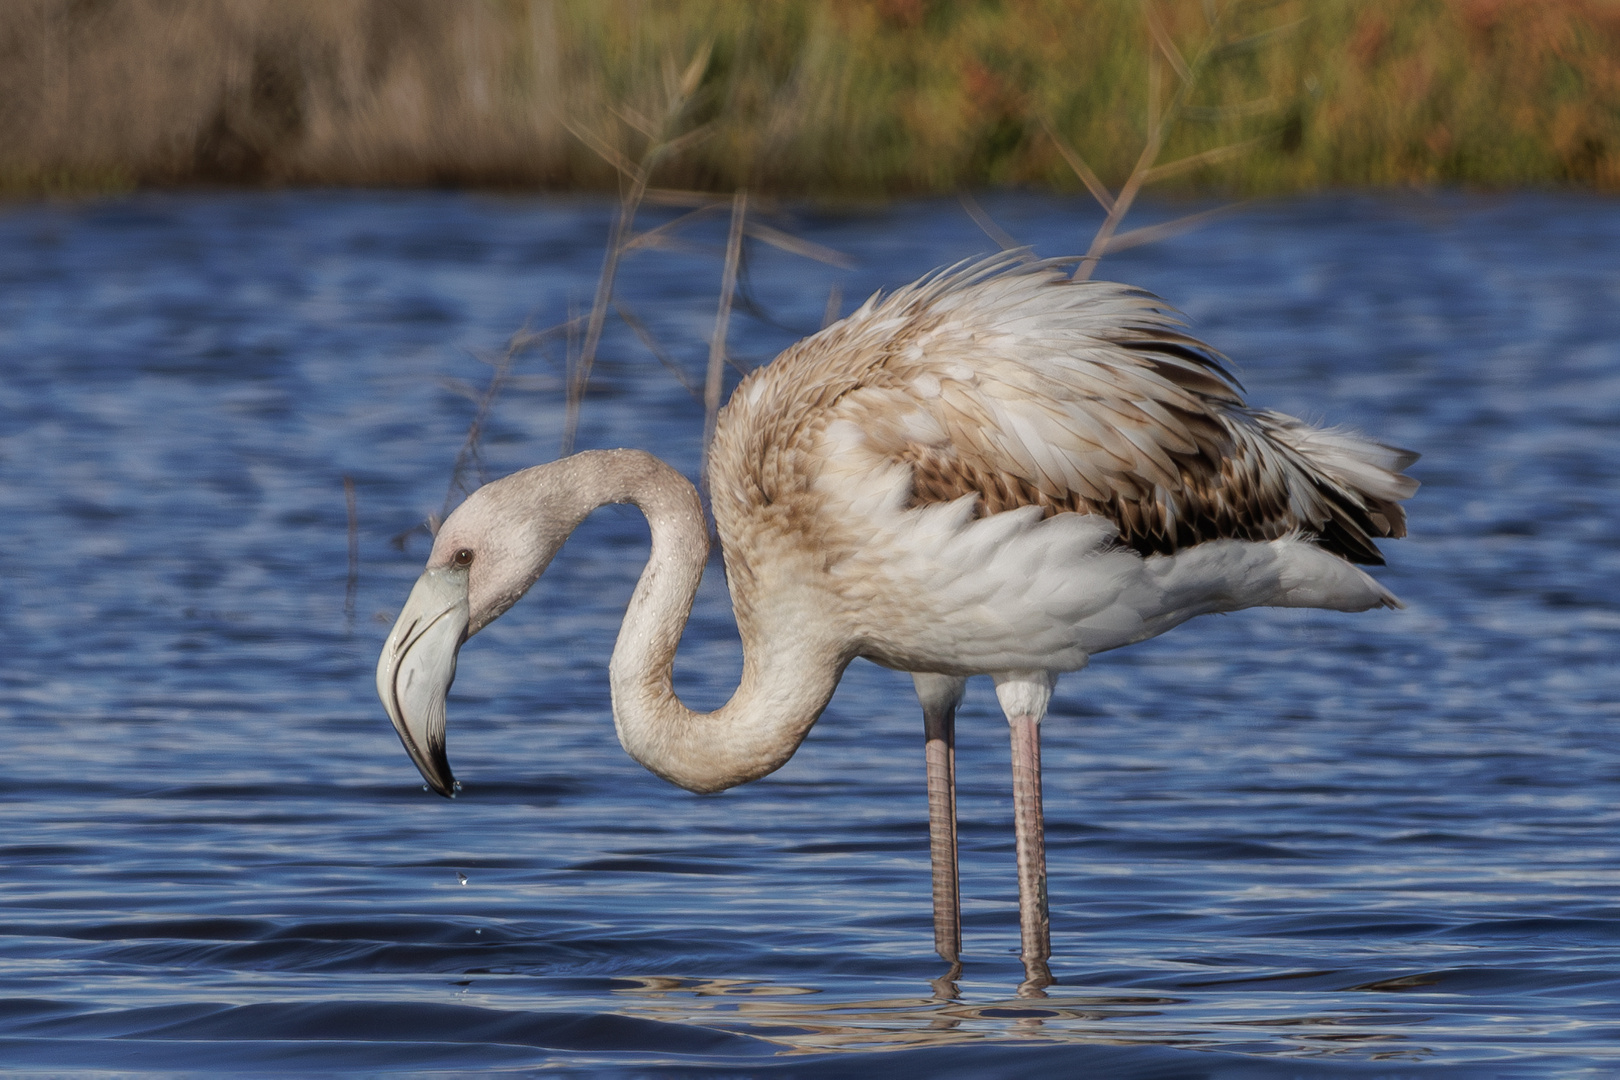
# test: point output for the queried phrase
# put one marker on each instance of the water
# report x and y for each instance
(1282, 843)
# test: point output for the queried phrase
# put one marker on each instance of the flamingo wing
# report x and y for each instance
(1007, 381)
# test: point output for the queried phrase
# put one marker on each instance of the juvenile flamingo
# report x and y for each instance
(992, 471)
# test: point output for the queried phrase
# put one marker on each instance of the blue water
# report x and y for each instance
(1281, 843)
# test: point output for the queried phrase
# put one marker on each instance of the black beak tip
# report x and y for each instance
(435, 768)
(441, 780)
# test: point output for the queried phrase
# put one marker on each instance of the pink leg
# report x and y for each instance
(941, 749)
(1024, 696)
(940, 695)
(1030, 831)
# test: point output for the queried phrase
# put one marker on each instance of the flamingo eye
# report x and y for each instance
(464, 557)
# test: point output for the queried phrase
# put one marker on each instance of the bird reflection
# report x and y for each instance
(1037, 977)
(945, 987)
(804, 1020)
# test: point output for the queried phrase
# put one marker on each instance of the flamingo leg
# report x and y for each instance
(941, 749)
(1030, 829)
(1024, 697)
(940, 694)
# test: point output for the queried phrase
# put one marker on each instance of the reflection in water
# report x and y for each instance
(801, 1019)
(1037, 976)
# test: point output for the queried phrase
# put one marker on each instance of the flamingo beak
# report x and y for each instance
(417, 666)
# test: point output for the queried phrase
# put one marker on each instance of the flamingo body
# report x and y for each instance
(998, 469)
(993, 471)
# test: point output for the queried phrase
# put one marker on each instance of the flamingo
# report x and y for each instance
(995, 470)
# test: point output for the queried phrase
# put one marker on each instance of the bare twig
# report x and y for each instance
(462, 387)
(601, 149)
(1161, 38)
(643, 124)
(1193, 161)
(1122, 204)
(986, 223)
(747, 303)
(571, 404)
(664, 138)
(1098, 189)
(468, 454)
(1150, 234)
(581, 374)
(652, 237)
(687, 140)
(683, 246)
(1156, 119)
(661, 142)
(693, 75)
(835, 304)
(483, 401)
(722, 321)
(1222, 113)
(676, 197)
(793, 245)
(657, 350)
(1159, 121)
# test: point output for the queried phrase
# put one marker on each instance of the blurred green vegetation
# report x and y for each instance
(834, 98)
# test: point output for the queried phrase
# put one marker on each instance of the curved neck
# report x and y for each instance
(788, 674)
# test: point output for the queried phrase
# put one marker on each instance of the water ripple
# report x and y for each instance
(1282, 843)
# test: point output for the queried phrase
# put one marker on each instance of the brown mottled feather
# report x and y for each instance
(1006, 381)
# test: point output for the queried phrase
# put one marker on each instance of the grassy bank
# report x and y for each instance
(801, 96)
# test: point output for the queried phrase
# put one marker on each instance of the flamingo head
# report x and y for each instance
(485, 556)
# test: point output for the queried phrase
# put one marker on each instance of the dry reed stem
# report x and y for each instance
(1098, 189)
(664, 142)
(661, 142)
(636, 189)
(580, 369)
(1004, 239)
(658, 351)
(658, 236)
(468, 456)
(677, 197)
(1159, 120)
(1161, 38)
(1152, 234)
(835, 304)
(797, 245)
(1194, 161)
(1127, 194)
(722, 323)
